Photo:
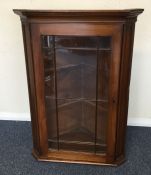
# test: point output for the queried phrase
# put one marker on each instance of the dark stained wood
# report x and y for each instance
(97, 15)
(78, 80)
(126, 60)
(39, 89)
(31, 85)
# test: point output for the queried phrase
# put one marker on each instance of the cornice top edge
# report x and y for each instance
(127, 13)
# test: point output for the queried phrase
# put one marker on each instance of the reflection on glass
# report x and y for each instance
(76, 73)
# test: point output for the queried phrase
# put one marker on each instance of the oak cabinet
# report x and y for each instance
(78, 67)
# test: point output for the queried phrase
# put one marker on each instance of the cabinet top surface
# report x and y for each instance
(125, 13)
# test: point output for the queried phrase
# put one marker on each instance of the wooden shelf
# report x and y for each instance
(79, 138)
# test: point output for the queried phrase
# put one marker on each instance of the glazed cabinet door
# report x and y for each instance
(76, 69)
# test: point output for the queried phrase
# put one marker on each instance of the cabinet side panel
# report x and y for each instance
(31, 84)
(125, 73)
(39, 89)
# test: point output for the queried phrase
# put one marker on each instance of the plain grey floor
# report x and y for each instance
(16, 158)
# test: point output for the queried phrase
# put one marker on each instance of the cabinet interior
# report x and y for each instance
(77, 75)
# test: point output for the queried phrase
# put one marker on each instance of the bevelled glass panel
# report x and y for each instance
(104, 61)
(50, 89)
(77, 74)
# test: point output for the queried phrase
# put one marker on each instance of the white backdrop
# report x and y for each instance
(14, 104)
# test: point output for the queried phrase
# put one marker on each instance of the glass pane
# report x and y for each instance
(76, 42)
(76, 91)
(104, 42)
(76, 73)
(50, 92)
(104, 58)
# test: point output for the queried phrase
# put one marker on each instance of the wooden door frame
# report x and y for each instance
(75, 29)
